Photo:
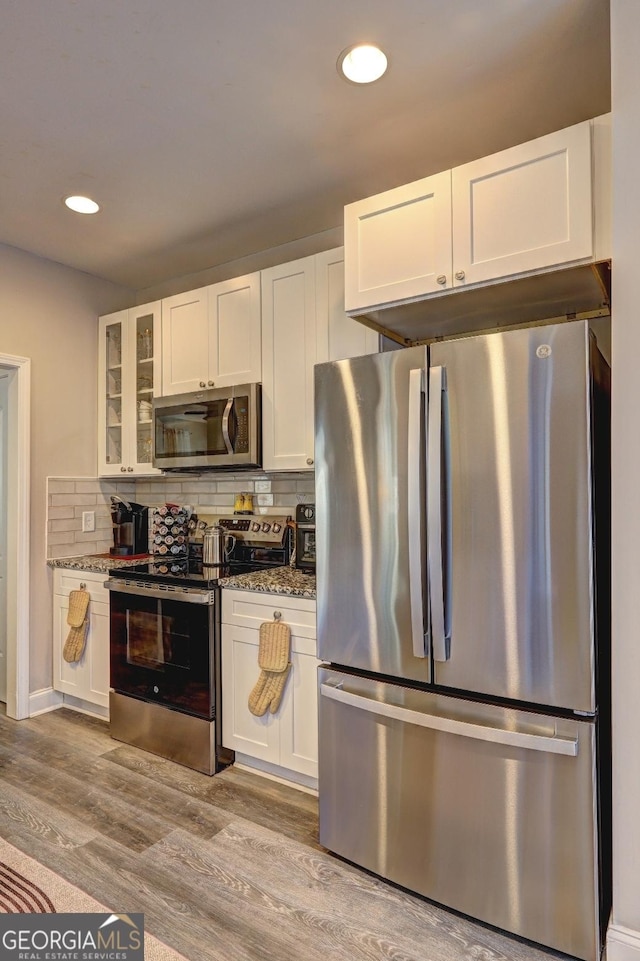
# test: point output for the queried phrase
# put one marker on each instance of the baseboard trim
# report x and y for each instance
(85, 707)
(623, 944)
(283, 775)
(40, 702)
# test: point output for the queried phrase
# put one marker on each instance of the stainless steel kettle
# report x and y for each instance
(216, 545)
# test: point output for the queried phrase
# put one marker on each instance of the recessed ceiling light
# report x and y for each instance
(82, 205)
(362, 63)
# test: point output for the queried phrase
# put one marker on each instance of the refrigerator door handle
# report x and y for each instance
(420, 639)
(448, 725)
(438, 583)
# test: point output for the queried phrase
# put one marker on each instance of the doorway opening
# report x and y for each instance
(15, 394)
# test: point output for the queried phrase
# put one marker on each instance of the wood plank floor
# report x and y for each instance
(226, 868)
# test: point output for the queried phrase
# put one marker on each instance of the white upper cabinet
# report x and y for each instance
(339, 336)
(289, 352)
(211, 336)
(129, 369)
(235, 331)
(398, 244)
(303, 324)
(185, 342)
(525, 209)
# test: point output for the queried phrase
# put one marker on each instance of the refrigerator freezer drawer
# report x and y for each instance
(487, 810)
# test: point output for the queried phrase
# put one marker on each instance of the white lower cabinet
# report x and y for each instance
(86, 680)
(285, 743)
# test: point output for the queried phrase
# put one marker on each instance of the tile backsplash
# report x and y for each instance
(69, 497)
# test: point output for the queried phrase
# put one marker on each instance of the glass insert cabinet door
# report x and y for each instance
(145, 323)
(129, 372)
(113, 427)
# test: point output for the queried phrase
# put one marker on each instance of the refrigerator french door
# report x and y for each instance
(457, 578)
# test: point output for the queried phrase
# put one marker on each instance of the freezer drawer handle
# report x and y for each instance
(417, 579)
(448, 725)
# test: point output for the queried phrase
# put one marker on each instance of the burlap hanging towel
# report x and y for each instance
(78, 621)
(274, 664)
(268, 691)
(273, 648)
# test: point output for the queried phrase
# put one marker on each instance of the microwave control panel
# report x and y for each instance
(241, 444)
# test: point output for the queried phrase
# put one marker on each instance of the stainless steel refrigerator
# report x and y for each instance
(462, 504)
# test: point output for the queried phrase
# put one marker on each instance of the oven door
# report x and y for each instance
(163, 650)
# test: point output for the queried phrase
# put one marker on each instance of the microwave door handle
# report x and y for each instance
(439, 580)
(419, 639)
(225, 425)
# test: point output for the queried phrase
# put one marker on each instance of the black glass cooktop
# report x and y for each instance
(189, 572)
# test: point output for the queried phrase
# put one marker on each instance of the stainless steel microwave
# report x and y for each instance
(219, 429)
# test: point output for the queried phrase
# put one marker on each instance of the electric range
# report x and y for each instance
(165, 645)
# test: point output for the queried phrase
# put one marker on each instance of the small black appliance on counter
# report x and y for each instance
(130, 528)
(305, 559)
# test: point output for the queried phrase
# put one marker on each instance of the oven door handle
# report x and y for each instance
(181, 594)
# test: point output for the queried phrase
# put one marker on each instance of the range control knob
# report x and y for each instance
(255, 526)
(277, 528)
(266, 528)
(308, 513)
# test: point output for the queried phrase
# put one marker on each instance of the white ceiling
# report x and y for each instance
(213, 129)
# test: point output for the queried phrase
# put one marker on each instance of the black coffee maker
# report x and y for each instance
(130, 527)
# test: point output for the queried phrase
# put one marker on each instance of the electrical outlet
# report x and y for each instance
(88, 521)
(263, 487)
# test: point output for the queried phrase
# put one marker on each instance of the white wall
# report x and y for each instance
(48, 313)
(271, 257)
(4, 379)
(624, 935)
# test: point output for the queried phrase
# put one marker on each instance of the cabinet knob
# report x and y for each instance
(459, 274)
(123, 470)
(130, 470)
(211, 383)
(309, 461)
(202, 383)
(277, 615)
(441, 279)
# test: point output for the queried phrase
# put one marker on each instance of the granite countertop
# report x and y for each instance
(100, 563)
(277, 580)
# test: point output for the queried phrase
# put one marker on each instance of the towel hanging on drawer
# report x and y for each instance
(78, 621)
(273, 661)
